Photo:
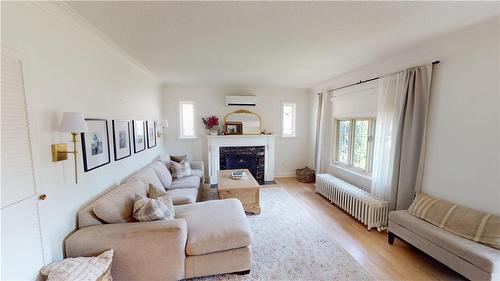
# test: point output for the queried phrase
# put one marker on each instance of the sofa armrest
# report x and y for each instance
(199, 165)
(143, 250)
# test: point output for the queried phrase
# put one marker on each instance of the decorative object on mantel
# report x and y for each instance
(306, 175)
(211, 124)
(80, 269)
(249, 121)
(233, 128)
(74, 123)
(95, 144)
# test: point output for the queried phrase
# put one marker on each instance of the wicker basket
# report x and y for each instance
(306, 175)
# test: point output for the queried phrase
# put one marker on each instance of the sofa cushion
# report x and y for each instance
(472, 224)
(214, 226)
(482, 256)
(117, 206)
(162, 173)
(198, 173)
(186, 182)
(165, 159)
(179, 158)
(146, 175)
(183, 196)
(180, 170)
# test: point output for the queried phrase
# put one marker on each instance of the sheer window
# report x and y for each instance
(288, 120)
(354, 143)
(187, 118)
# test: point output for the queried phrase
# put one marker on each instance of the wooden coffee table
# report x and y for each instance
(246, 190)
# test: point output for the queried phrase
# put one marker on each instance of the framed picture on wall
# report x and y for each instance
(121, 139)
(151, 129)
(95, 144)
(139, 132)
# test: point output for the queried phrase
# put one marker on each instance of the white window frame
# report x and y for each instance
(181, 131)
(369, 156)
(294, 117)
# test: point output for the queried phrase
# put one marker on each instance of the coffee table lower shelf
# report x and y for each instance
(249, 198)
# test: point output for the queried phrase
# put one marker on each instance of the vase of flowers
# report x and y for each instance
(211, 124)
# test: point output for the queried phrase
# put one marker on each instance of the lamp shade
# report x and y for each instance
(73, 122)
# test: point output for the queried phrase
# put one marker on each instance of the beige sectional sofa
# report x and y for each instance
(205, 238)
(471, 259)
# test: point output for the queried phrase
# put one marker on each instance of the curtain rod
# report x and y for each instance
(364, 81)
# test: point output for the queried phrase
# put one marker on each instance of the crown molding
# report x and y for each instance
(68, 17)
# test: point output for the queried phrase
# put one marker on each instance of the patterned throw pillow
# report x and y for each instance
(180, 170)
(179, 158)
(158, 206)
(80, 269)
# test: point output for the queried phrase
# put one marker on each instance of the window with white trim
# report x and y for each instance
(187, 128)
(288, 120)
(354, 143)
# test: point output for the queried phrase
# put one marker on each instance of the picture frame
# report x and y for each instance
(139, 133)
(121, 139)
(95, 144)
(233, 128)
(151, 133)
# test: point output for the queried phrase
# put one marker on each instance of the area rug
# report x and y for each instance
(288, 244)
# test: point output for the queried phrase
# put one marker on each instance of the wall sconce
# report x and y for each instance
(74, 123)
(163, 124)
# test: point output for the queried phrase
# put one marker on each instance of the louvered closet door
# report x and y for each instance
(22, 251)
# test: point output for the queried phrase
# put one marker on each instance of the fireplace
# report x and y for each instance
(244, 157)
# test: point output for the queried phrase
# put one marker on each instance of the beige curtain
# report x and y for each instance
(323, 133)
(400, 135)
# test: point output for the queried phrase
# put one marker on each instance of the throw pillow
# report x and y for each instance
(158, 206)
(472, 224)
(182, 169)
(80, 269)
(178, 159)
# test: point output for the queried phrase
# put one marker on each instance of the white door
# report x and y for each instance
(21, 241)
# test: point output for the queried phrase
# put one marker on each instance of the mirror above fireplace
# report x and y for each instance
(249, 122)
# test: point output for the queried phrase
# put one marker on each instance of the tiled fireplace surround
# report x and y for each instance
(253, 152)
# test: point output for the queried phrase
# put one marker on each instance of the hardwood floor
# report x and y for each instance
(400, 261)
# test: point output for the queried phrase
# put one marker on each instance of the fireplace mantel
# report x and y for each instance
(215, 142)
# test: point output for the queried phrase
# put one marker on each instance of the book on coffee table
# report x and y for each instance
(238, 175)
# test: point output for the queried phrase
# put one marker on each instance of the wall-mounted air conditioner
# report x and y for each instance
(241, 100)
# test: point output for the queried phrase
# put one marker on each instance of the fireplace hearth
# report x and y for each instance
(244, 157)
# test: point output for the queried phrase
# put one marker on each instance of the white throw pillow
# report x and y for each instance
(79, 269)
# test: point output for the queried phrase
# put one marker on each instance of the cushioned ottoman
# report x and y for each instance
(217, 231)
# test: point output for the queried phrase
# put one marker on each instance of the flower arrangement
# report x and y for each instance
(210, 122)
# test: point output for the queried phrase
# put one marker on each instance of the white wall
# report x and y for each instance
(68, 69)
(462, 161)
(291, 153)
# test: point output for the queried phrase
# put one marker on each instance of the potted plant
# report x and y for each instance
(211, 124)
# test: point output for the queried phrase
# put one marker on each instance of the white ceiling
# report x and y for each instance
(275, 43)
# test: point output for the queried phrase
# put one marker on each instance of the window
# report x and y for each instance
(187, 128)
(288, 120)
(354, 143)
